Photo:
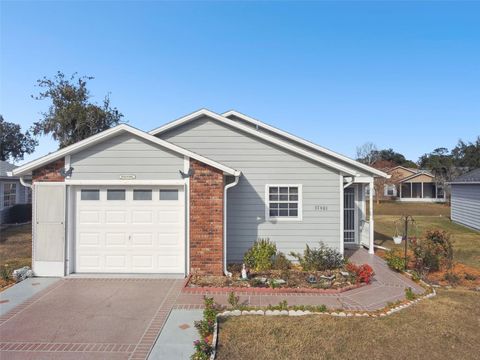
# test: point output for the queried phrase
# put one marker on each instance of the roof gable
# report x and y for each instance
(299, 140)
(420, 173)
(5, 167)
(285, 144)
(98, 138)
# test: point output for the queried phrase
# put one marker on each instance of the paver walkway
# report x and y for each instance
(387, 286)
(111, 318)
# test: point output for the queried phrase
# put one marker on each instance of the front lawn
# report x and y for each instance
(467, 241)
(444, 327)
(15, 248)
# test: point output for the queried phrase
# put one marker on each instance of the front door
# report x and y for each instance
(349, 222)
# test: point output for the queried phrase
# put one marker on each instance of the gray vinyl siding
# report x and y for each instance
(262, 163)
(466, 205)
(360, 171)
(126, 154)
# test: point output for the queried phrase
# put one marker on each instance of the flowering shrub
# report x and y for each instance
(205, 327)
(203, 350)
(362, 273)
(395, 260)
(434, 252)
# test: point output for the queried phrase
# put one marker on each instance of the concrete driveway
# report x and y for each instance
(89, 319)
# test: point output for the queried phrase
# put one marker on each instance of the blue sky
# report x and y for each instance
(401, 75)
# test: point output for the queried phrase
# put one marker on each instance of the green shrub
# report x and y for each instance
(233, 300)
(5, 272)
(260, 256)
(280, 262)
(409, 294)
(395, 260)
(433, 252)
(323, 258)
(471, 277)
(452, 278)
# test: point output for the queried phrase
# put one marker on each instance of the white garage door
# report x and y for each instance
(130, 230)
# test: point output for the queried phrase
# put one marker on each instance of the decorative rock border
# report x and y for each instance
(344, 313)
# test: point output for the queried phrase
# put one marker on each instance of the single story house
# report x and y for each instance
(191, 196)
(465, 200)
(12, 192)
(409, 184)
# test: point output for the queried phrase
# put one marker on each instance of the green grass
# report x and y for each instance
(401, 208)
(466, 241)
(16, 246)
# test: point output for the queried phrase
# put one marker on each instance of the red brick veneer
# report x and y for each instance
(206, 219)
(49, 172)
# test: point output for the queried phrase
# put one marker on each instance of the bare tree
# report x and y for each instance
(380, 182)
(367, 153)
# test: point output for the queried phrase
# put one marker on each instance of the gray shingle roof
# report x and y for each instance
(472, 176)
(4, 167)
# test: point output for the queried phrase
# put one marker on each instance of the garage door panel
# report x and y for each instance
(142, 217)
(89, 262)
(89, 217)
(168, 261)
(125, 236)
(88, 239)
(142, 261)
(115, 239)
(169, 239)
(115, 217)
(142, 239)
(115, 261)
(170, 217)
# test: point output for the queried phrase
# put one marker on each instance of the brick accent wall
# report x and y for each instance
(206, 219)
(49, 172)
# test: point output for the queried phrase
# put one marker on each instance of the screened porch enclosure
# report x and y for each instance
(411, 191)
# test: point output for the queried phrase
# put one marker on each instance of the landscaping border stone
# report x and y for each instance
(210, 290)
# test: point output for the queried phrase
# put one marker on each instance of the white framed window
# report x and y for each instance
(283, 202)
(9, 194)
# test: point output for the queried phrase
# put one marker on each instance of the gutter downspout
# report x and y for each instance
(22, 181)
(237, 178)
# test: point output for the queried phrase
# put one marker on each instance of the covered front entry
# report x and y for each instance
(357, 224)
(129, 229)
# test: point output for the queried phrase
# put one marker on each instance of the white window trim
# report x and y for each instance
(281, 219)
(17, 186)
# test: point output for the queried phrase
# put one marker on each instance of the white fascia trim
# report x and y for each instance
(111, 132)
(125, 182)
(304, 142)
(231, 123)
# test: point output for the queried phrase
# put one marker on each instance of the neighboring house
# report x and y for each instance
(191, 196)
(12, 192)
(410, 184)
(465, 201)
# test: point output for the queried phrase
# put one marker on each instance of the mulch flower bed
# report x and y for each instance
(294, 280)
